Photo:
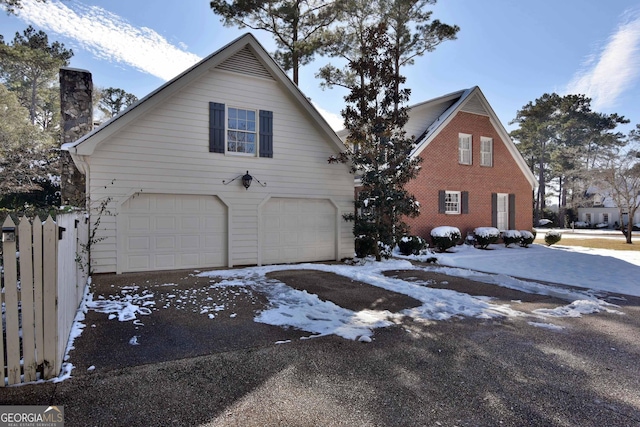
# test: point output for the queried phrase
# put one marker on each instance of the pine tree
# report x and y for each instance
(29, 67)
(298, 26)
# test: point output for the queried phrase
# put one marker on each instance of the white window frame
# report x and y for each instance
(486, 151)
(452, 207)
(253, 132)
(465, 149)
(605, 217)
(587, 217)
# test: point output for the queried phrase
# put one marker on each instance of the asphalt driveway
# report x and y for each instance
(202, 360)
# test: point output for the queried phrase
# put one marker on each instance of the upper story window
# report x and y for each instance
(486, 151)
(241, 131)
(464, 149)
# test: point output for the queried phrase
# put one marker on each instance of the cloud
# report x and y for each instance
(109, 37)
(607, 74)
(335, 120)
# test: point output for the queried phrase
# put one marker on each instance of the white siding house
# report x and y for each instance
(166, 166)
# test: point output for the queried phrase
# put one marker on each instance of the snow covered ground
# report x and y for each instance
(518, 268)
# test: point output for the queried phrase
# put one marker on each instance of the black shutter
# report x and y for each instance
(512, 211)
(441, 203)
(266, 133)
(216, 127)
(464, 202)
(494, 209)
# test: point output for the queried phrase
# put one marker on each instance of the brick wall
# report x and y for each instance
(441, 171)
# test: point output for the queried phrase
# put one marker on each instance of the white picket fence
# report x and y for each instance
(42, 287)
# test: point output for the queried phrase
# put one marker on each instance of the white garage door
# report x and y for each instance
(172, 231)
(298, 230)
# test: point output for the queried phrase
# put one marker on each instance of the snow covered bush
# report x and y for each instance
(445, 237)
(552, 237)
(486, 236)
(526, 238)
(511, 236)
(364, 246)
(581, 224)
(411, 245)
(545, 223)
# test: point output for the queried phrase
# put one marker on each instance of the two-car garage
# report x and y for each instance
(175, 231)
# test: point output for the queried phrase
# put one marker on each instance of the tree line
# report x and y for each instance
(576, 152)
(30, 131)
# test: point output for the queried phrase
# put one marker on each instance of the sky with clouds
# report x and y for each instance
(514, 51)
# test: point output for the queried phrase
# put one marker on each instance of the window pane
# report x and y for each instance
(251, 115)
(242, 114)
(250, 137)
(233, 113)
(233, 123)
(250, 148)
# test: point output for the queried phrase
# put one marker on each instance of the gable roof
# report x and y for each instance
(438, 112)
(244, 55)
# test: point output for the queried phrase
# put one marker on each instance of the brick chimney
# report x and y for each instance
(76, 109)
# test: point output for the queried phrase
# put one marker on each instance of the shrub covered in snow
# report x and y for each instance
(411, 245)
(485, 236)
(526, 238)
(552, 237)
(445, 237)
(365, 246)
(511, 236)
(581, 224)
(545, 223)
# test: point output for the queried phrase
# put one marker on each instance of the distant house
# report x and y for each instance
(472, 174)
(601, 211)
(171, 169)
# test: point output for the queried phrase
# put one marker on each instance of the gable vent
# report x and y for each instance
(245, 62)
(474, 106)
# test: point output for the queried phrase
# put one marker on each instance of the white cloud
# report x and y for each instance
(607, 74)
(335, 120)
(110, 37)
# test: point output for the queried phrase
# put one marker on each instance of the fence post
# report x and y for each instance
(12, 323)
(50, 299)
(26, 286)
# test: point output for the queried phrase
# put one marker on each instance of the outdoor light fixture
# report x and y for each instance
(8, 234)
(247, 179)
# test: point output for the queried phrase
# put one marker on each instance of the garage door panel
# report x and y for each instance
(165, 243)
(168, 231)
(138, 243)
(298, 230)
(139, 223)
(139, 262)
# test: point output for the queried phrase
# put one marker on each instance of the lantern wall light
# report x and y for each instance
(247, 179)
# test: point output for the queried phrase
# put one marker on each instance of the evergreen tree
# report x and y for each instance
(11, 5)
(379, 150)
(114, 100)
(29, 67)
(27, 157)
(562, 138)
(297, 25)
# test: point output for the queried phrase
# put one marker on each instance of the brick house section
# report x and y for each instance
(478, 185)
